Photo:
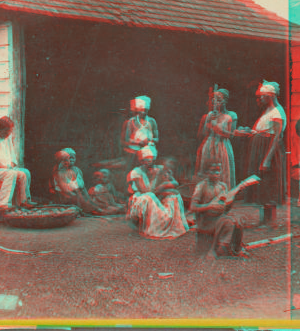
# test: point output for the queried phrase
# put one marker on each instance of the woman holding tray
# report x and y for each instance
(267, 155)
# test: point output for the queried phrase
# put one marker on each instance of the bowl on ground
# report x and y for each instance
(41, 217)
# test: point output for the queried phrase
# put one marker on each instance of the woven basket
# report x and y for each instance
(45, 217)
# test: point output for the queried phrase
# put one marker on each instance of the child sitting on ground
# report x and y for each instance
(104, 193)
(220, 234)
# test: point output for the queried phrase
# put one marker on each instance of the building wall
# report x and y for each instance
(11, 75)
(81, 76)
(295, 101)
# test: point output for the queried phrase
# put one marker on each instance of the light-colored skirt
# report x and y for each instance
(157, 219)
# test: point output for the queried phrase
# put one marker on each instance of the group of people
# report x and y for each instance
(266, 153)
(67, 187)
(155, 206)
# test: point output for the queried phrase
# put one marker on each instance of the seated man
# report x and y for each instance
(15, 182)
(104, 193)
(219, 234)
(68, 185)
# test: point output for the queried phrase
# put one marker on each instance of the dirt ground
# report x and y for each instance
(100, 268)
(295, 262)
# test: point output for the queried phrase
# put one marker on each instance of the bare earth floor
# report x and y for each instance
(100, 268)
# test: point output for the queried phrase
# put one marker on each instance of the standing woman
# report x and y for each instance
(218, 130)
(138, 131)
(266, 157)
(224, 110)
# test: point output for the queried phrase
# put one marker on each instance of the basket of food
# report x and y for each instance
(42, 217)
(245, 129)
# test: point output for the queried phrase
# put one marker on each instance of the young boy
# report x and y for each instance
(104, 193)
(218, 234)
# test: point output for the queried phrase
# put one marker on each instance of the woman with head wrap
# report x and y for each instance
(104, 193)
(266, 157)
(15, 182)
(156, 219)
(216, 144)
(139, 130)
(68, 185)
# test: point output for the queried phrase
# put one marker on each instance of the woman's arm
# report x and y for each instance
(233, 125)
(68, 188)
(212, 206)
(154, 131)
(234, 120)
(201, 128)
(197, 207)
(126, 138)
(207, 124)
(277, 127)
(224, 130)
(140, 185)
(170, 184)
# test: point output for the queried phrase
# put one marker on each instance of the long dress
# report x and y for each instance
(272, 188)
(157, 219)
(218, 147)
(15, 182)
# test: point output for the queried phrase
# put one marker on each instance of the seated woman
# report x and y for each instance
(217, 234)
(157, 219)
(15, 182)
(104, 193)
(68, 185)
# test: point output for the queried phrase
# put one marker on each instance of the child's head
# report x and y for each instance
(6, 127)
(169, 163)
(167, 174)
(102, 176)
(213, 169)
(72, 154)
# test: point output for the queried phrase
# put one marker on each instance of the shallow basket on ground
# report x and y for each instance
(44, 217)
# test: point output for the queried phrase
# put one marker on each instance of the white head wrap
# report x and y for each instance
(100, 173)
(61, 156)
(149, 150)
(70, 151)
(267, 89)
(146, 100)
(140, 103)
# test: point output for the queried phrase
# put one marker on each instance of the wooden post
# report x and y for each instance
(19, 90)
(12, 81)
